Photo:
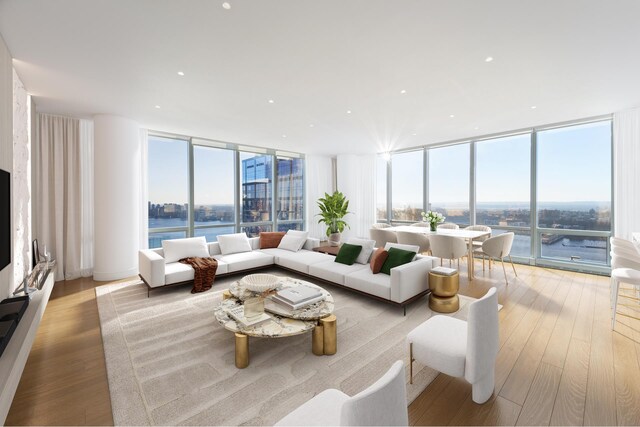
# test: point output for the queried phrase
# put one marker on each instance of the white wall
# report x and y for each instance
(116, 197)
(6, 143)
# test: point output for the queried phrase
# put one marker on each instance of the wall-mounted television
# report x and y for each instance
(5, 219)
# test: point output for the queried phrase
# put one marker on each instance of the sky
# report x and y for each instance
(574, 164)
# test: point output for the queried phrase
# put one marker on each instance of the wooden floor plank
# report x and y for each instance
(542, 395)
(569, 406)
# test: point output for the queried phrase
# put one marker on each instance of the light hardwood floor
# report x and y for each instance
(559, 362)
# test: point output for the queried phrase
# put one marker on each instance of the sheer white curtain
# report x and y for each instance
(144, 189)
(626, 180)
(319, 180)
(356, 179)
(62, 196)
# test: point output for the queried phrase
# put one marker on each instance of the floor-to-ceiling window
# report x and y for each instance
(168, 202)
(550, 185)
(449, 182)
(213, 191)
(207, 188)
(574, 193)
(407, 186)
(503, 188)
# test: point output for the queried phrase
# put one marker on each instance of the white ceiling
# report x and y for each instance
(317, 59)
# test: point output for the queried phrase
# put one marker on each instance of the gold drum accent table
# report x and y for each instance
(444, 292)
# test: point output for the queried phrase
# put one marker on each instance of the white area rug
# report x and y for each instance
(170, 362)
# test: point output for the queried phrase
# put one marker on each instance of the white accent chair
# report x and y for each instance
(449, 226)
(461, 349)
(449, 247)
(411, 238)
(382, 236)
(384, 403)
(625, 268)
(617, 241)
(381, 225)
(498, 247)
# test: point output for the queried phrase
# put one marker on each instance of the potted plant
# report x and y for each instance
(333, 208)
(433, 218)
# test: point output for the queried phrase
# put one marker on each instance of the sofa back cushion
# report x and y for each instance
(377, 259)
(177, 249)
(234, 243)
(270, 240)
(411, 248)
(293, 241)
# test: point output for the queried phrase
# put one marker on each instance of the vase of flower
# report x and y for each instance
(433, 218)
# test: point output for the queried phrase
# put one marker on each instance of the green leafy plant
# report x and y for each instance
(333, 208)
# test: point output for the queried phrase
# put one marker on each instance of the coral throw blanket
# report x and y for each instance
(204, 272)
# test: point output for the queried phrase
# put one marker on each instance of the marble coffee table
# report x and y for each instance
(317, 318)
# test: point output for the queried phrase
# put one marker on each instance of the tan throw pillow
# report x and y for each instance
(377, 260)
(271, 239)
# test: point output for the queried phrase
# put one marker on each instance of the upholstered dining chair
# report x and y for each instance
(384, 403)
(420, 224)
(617, 241)
(411, 238)
(461, 349)
(449, 247)
(382, 236)
(498, 247)
(623, 270)
(449, 226)
(381, 225)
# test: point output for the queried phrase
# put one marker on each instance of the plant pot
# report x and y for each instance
(334, 239)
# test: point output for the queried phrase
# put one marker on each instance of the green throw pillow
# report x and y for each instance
(348, 254)
(396, 257)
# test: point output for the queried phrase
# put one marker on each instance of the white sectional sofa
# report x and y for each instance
(406, 283)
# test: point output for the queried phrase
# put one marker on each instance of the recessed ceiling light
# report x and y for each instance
(488, 59)
(476, 128)
(451, 115)
(284, 136)
(414, 134)
(157, 106)
(311, 125)
(226, 5)
(271, 101)
(403, 91)
(348, 111)
(181, 73)
(533, 107)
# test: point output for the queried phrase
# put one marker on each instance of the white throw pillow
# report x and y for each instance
(234, 243)
(367, 249)
(177, 249)
(410, 248)
(293, 241)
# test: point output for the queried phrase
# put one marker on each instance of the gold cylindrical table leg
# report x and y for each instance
(242, 351)
(330, 332)
(317, 340)
(226, 294)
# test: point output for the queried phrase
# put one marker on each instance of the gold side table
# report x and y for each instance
(444, 292)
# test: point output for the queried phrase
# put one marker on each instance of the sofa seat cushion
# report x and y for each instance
(365, 281)
(245, 260)
(298, 261)
(334, 271)
(176, 272)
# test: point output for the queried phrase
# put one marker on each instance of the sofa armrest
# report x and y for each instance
(410, 279)
(311, 243)
(151, 266)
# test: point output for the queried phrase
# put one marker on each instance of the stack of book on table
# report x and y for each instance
(445, 271)
(237, 314)
(298, 297)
